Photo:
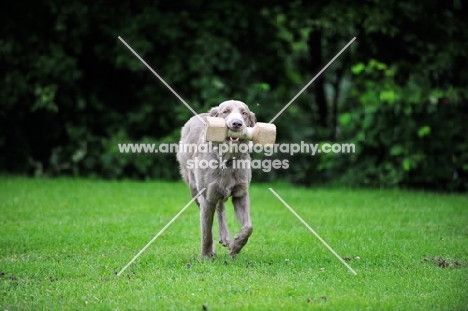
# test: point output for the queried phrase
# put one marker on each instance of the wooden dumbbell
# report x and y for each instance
(261, 133)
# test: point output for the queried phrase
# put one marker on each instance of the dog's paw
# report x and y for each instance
(225, 241)
(233, 254)
(235, 247)
(208, 256)
(209, 252)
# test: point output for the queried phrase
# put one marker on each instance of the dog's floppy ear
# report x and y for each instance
(252, 119)
(214, 112)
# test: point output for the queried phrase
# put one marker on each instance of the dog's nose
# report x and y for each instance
(236, 123)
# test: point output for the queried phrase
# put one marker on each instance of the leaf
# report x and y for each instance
(358, 68)
(424, 131)
(397, 150)
(389, 73)
(264, 86)
(406, 164)
(381, 66)
(387, 96)
(345, 118)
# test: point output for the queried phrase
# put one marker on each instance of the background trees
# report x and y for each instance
(71, 90)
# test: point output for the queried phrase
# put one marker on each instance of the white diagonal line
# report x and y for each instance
(312, 230)
(316, 76)
(162, 80)
(160, 232)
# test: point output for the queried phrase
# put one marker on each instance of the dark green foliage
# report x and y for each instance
(71, 91)
(409, 135)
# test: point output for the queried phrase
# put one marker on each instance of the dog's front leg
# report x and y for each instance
(242, 209)
(207, 210)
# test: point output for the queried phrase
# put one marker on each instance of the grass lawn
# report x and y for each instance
(62, 242)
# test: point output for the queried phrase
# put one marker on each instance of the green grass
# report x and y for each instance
(61, 242)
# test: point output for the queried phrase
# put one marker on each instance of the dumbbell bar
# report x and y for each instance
(261, 133)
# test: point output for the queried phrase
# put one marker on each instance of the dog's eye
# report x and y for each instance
(227, 111)
(244, 113)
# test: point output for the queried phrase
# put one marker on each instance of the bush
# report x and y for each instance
(410, 135)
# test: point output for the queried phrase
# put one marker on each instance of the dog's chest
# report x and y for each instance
(230, 178)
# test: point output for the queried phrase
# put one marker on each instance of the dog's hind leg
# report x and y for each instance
(224, 235)
(193, 188)
(214, 195)
(242, 209)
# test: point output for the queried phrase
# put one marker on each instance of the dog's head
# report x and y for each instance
(236, 114)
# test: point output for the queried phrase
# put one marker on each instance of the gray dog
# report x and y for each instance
(221, 181)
